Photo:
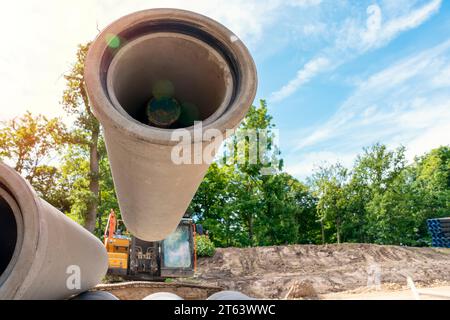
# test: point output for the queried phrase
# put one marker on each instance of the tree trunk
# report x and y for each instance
(99, 216)
(323, 231)
(362, 235)
(250, 229)
(94, 186)
(338, 231)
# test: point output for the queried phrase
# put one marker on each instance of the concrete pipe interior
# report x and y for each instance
(8, 235)
(10, 226)
(197, 74)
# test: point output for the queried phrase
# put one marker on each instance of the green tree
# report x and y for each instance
(254, 152)
(241, 204)
(306, 215)
(286, 211)
(429, 177)
(329, 184)
(393, 217)
(86, 134)
(375, 172)
(216, 205)
(76, 171)
(32, 146)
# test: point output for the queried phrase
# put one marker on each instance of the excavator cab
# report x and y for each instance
(178, 251)
(136, 259)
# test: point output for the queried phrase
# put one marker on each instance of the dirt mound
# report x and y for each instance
(308, 270)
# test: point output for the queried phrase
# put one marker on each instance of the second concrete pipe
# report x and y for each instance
(43, 254)
(207, 66)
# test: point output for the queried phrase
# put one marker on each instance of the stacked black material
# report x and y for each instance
(440, 232)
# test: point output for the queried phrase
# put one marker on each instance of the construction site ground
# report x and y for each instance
(138, 290)
(344, 271)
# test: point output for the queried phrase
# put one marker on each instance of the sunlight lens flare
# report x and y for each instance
(113, 41)
(163, 109)
(163, 112)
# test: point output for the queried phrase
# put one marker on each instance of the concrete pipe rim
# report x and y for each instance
(190, 24)
(21, 200)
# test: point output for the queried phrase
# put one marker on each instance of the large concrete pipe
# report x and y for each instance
(229, 295)
(43, 254)
(163, 296)
(95, 295)
(208, 75)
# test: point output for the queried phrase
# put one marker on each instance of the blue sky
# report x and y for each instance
(349, 74)
(338, 75)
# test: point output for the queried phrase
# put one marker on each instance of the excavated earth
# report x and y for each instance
(138, 290)
(307, 271)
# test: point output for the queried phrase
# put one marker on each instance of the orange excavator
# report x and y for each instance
(117, 246)
(135, 259)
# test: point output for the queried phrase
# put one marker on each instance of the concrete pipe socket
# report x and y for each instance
(43, 254)
(148, 75)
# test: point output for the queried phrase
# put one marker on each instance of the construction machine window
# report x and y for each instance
(177, 249)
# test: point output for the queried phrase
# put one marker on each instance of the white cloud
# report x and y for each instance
(433, 137)
(310, 69)
(400, 105)
(442, 79)
(378, 33)
(313, 29)
(373, 24)
(305, 165)
(356, 37)
(304, 3)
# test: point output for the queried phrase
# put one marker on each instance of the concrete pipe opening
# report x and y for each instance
(147, 75)
(9, 232)
(205, 66)
(174, 66)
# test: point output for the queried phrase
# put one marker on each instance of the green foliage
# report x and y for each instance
(331, 206)
(86, 138)
(75, 170)
(31, 145)
(241, 206)
(205, 247)
(382, 199)
(75, 100)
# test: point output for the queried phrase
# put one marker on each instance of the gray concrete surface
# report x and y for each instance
(51, 252)
(208, 65)
(95, 295)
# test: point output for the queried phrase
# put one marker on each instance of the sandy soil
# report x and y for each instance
(310, 271)
(427, 293)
